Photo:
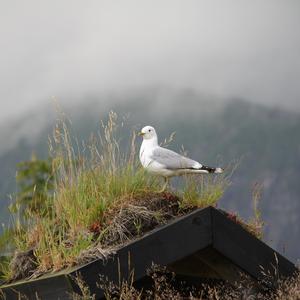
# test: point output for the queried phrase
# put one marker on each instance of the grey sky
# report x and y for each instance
(71, 49)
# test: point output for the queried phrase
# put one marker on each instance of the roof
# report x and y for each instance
(205, 237)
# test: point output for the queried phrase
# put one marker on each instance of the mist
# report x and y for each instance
(73, 50)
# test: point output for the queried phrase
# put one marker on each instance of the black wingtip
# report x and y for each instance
(212, 170)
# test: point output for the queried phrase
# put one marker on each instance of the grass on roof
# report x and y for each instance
(100, 197)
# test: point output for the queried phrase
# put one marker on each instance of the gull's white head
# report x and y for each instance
(148, 132)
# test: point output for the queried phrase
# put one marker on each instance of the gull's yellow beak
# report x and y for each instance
(141, 133)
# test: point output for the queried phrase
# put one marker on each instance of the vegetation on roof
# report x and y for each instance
(89, 198)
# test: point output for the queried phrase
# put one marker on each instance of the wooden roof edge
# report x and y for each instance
(160, 245)
(166, 244)
(247, 251)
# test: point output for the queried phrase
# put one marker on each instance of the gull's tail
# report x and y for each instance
(211, 170)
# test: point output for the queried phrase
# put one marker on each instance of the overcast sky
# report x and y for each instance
(71, 49)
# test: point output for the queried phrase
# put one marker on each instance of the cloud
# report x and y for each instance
(73, 49)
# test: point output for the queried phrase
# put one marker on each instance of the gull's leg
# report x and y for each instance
(165, 184)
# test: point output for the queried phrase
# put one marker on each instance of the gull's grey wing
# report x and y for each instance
(172, 160)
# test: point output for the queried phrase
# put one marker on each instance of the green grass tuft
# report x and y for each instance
(202, 191)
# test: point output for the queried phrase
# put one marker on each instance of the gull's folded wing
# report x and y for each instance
(172, 160)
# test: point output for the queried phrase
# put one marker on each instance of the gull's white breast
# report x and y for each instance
(151, 165)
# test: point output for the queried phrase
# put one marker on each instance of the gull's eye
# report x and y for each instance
(149, 130)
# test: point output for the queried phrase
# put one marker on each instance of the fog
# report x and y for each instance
(72, 50)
